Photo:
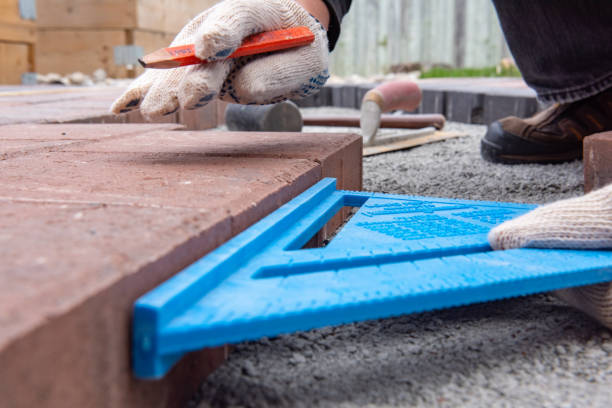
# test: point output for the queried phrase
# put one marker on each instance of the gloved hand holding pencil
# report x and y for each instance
(216, 33)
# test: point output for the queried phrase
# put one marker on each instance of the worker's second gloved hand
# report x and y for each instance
(576, 223)
(262, 79)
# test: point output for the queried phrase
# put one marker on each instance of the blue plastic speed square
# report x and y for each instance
(396, 255)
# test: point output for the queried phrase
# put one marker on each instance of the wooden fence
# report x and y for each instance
(377, 34)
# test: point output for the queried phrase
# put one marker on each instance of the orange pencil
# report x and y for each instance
(255, 44)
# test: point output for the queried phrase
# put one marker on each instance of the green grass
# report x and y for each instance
(470, 72)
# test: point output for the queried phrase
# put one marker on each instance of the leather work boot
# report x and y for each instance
(552, 136)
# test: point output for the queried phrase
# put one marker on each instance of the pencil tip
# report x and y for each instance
(144, 64)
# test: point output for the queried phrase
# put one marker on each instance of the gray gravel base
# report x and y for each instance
(525, 352)
(455, 169)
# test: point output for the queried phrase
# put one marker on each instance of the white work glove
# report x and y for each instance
(261, 79)
(580, 223)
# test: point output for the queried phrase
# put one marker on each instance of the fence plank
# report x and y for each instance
(379, 34)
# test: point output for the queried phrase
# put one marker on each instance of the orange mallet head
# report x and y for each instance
(268, 41)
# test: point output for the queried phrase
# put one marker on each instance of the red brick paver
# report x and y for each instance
(59, 104)
(597, 161)
(93, 216)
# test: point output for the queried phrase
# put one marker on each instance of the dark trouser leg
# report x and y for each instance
(564, 51)
(562, 47)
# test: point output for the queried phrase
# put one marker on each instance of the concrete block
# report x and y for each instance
(597, 159)
(502, 97)
(108, 214)
(508, 86)
(465, 107)
(318, 99)
(308, 102)
(325, 96)
(335, 91)
(499, 106)
(434, 101)
(321, 98)
(349, 96)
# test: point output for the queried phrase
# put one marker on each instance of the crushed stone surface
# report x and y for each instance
(531, 351)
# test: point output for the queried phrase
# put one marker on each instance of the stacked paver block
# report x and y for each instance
(57, 104)
(498, 106)
(477, 100)
(82, 35)
(597, 161)
(467, 100)
(93, 216)
(434, 101)
(459, 106)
